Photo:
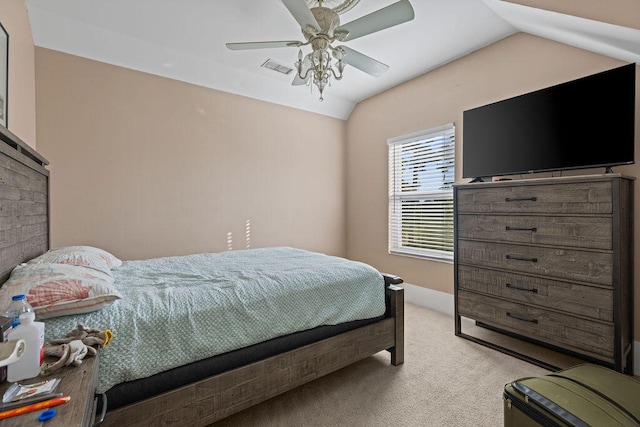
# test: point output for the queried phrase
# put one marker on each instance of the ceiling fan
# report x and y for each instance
(321, 27)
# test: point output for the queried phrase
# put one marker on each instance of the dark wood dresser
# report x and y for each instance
(549, 260)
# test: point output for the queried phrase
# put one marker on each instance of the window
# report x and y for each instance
(421, 176)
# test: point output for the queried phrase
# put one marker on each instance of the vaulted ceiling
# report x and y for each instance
(185, 40)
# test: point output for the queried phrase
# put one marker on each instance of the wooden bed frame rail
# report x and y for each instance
(217, 397)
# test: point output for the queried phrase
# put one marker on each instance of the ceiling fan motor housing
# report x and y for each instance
(328, 20)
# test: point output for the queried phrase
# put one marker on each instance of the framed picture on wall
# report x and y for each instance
(4, 74)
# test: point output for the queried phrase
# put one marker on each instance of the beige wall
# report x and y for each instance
(513, 66)
(22, 88)
(617, 12)
(145, 166)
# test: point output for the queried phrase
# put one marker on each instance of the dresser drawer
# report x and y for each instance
(569, 198)
(578, 232)
(574, 333)
(557, 263)
(571, 298)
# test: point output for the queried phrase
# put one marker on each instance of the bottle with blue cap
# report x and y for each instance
(18, 306)
(32, 332)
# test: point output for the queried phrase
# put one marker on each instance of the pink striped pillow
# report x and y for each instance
(111, 260)
(59, 289)
(82, 259)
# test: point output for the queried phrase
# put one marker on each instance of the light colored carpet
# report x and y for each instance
(445, 381)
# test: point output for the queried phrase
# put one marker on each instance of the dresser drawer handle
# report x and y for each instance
(518, 288)
(522, 318)
(532, 229)
(520, 199)
(520, 258)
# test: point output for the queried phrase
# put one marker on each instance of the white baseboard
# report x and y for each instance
(444, 303)
(428, 298)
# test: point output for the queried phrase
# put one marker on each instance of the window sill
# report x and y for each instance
(422, 257)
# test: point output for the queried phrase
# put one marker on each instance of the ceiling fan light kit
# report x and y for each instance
(318, 67)
(321, 27)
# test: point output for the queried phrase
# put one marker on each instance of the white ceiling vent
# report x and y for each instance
(272, 65)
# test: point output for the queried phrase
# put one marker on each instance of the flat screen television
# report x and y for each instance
(584, 123)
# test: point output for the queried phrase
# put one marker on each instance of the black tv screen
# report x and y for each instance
(583, 123)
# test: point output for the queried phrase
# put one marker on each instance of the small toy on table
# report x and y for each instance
(77, 344)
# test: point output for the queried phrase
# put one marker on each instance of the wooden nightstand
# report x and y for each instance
(80, 383)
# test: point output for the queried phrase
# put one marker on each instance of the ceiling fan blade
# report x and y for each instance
(302, 14)
(263, 45)
(363, 62)
(394, 14)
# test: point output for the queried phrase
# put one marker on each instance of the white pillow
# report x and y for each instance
(111, 260)
(59, 289)
(83, 259)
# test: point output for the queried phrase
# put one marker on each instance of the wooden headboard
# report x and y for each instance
(24, 203)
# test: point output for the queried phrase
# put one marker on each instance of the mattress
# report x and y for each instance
(179, 310)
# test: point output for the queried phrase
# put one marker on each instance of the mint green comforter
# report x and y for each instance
(177, 310)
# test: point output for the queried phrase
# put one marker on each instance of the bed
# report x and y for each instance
(342, 323)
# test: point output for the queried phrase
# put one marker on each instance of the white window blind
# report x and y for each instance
(421, 177)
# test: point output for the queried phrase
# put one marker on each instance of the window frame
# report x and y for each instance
(438, 200)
